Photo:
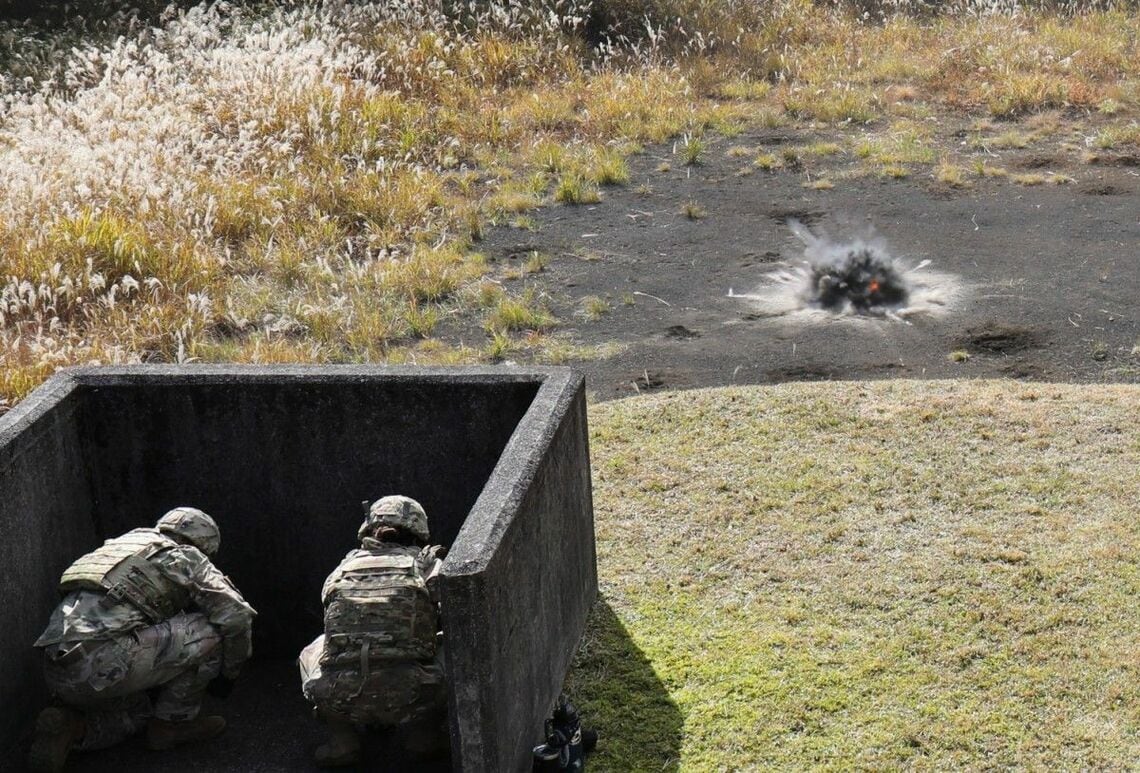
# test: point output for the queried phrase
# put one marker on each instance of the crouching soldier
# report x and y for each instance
(147, 614)
(379, 662)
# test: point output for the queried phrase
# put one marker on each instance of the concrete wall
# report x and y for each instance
(282, 458)
(45, 509)
(519, 585)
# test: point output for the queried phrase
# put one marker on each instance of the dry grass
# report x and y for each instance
(693, 211)
(292, 183)
(951, 174)
(307, 181)
(768, 162)
(889, 575)
(526, 313)
(1116, 136)
(594, 307)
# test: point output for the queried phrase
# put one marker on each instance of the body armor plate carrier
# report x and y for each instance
(377, 607)
(123, 570)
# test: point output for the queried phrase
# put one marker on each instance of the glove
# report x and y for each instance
(220, 687)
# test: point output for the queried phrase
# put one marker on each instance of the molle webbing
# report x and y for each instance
(398, 565)
(378, 607)
(122, 568)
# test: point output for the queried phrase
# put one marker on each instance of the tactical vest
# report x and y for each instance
(123, 569)
(377, 607)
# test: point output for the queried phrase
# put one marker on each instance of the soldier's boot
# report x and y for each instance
(58, 731)
(342, 748)
(164, 734)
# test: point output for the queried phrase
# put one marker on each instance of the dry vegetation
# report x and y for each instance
(296, 182)
(841, 576)
(854, 576)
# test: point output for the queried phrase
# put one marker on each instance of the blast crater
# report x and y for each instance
(998, 338)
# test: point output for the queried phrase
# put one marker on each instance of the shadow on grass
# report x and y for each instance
(618, 693)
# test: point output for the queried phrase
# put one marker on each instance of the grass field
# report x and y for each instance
(834, 576)
(841, 576)
(309, 182)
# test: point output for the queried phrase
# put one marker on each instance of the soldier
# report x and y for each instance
(379, 662)
(145, 613)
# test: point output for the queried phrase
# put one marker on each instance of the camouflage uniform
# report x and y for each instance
(392, 673)
(104, 648)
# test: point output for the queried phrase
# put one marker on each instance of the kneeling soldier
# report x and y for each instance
(145, 614)
(378, 663)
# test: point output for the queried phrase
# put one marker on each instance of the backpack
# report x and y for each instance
(377, 607)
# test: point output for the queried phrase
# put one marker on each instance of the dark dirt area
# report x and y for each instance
(270, 729)
(1035, 282)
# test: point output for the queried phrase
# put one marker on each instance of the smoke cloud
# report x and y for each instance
(854, 278)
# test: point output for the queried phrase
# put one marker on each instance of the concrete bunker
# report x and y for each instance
(282, 457)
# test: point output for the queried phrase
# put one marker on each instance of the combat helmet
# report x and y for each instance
(399, 512)
(189, 524)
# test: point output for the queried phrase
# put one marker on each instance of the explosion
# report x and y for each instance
(864, 281)
(856, 277)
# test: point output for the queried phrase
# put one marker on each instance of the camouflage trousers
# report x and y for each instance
(108, 680)
(384, 694)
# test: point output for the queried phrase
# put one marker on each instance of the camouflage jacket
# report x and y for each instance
(87, 614)
(382, 603)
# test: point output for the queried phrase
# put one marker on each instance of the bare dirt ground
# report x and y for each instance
(1035, 282)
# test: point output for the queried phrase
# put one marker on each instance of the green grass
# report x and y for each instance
(610, 168)
(691, 149)
(889, 575)
(527, 312)
(1115, 136)
(905, 143)
(572, 189)
(594, 307)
